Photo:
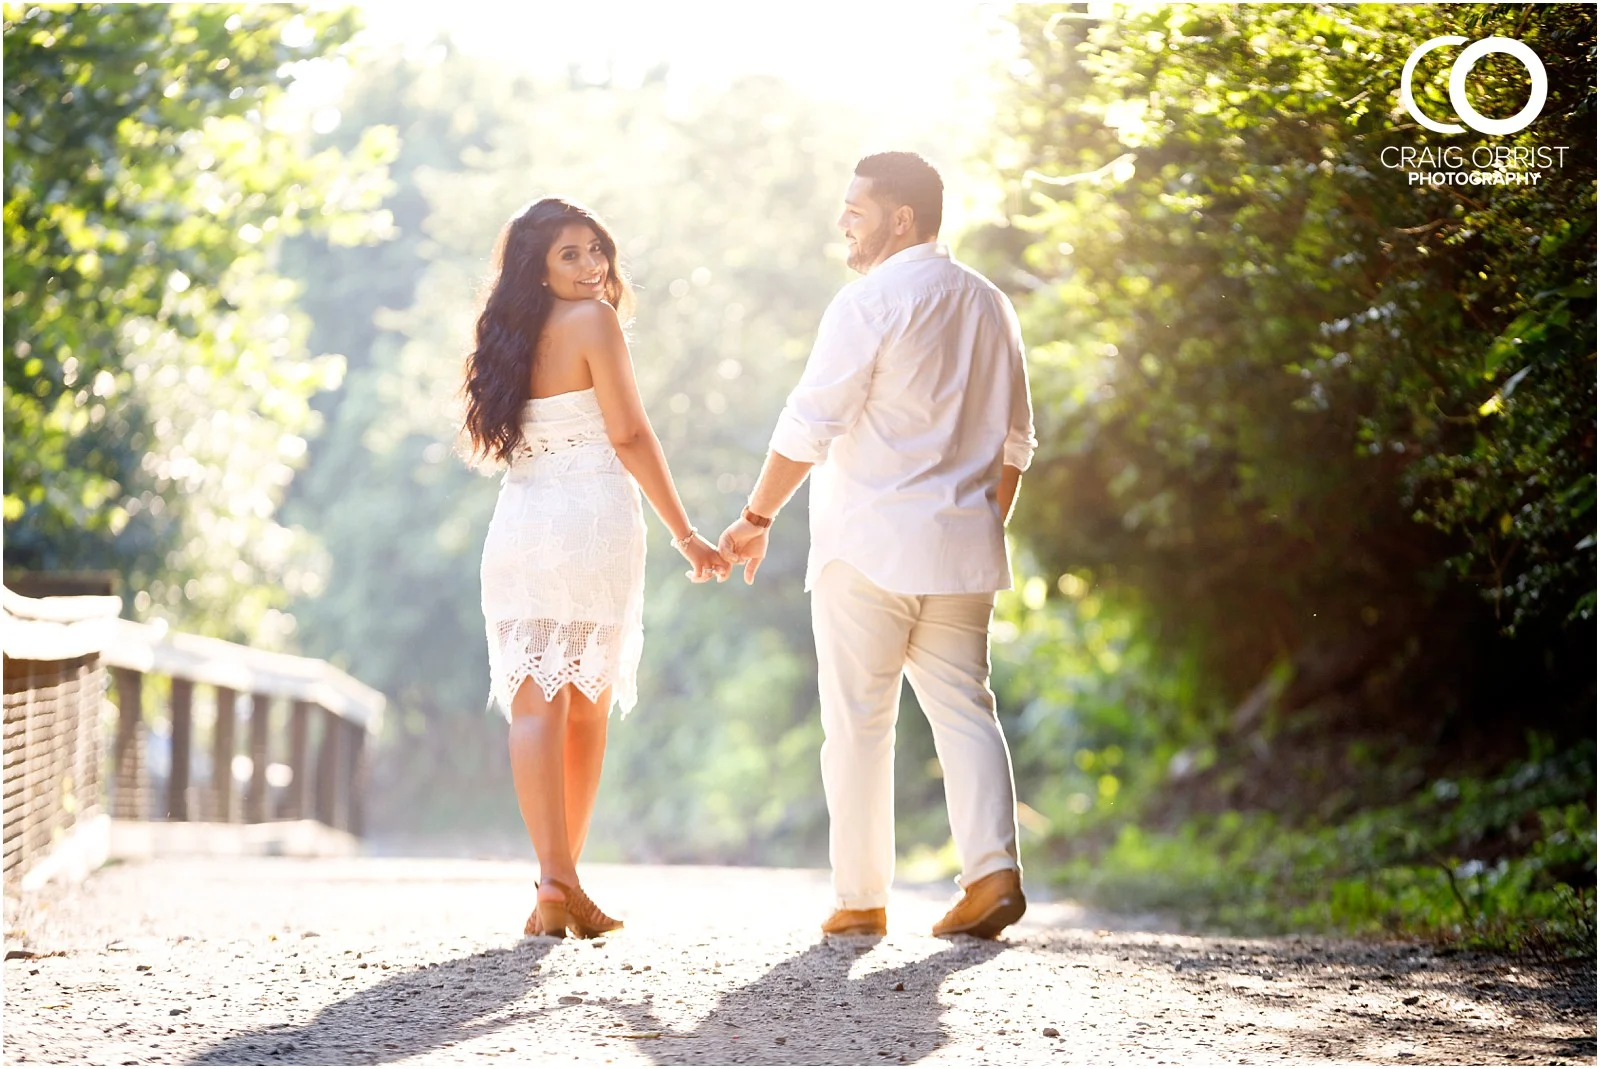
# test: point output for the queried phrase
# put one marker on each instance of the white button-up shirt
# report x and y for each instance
(914, 395)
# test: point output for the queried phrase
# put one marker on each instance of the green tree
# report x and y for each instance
(156, 377)
(1314, 510)
(1274, 374)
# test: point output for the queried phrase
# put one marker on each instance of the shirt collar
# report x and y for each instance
(928, 250)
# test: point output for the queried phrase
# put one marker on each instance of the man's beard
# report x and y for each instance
(868, 252)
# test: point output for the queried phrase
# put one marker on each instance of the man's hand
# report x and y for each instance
(744, 542)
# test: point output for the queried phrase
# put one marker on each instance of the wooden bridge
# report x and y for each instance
(86, 778)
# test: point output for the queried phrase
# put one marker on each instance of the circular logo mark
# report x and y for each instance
(1458, 85)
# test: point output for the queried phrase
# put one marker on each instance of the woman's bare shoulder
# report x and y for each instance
(584, 320)
(577, 337)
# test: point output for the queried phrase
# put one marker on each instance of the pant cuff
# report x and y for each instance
(878, 901)
(966, 880)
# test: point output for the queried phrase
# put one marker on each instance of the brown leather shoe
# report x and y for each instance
(856, 922)
(987, 907)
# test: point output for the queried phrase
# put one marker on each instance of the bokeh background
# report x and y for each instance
(1303, 630)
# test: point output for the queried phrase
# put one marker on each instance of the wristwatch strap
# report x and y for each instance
(754, 520)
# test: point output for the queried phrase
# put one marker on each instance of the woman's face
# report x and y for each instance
(576, 268)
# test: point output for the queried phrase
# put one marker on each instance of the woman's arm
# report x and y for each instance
(599, 334)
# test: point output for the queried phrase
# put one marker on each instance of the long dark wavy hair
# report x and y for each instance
(499, 370)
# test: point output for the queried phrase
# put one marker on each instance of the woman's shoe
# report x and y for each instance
(577, 914)
(535, 924)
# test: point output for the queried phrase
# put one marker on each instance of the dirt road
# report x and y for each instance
(278, 961)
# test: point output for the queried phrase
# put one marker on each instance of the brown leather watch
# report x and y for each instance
(755, 520)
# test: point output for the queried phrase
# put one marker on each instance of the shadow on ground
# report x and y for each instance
(806, 1011)
(1347, 1000)
(401, 1016)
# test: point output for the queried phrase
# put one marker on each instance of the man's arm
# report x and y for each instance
(1020, 440)
(745, 541)
(780, 478)
(824, 404)
(1010, 479)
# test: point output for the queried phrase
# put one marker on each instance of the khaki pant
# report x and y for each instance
(866, 639)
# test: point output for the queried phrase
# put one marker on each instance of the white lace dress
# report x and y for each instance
(563, 563)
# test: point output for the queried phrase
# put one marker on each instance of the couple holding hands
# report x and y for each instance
(912, 418)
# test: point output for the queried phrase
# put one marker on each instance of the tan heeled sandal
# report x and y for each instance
(577, 914)
(534, 925)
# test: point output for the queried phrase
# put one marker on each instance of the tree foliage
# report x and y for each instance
(156, 379)
(1295, 405)
(1314, 510)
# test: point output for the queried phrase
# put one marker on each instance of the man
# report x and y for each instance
(913, 410)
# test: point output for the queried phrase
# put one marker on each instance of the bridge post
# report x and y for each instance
(354, 774)
(330, 804)
(182, 706)
(127, 755)
(299, 801)
(222, 755)
(260, 724)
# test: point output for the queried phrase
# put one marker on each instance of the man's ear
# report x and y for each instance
(905, 220)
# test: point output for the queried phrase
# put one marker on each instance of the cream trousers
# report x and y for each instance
(867, 638)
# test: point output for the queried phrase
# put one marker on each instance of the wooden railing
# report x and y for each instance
(54, 693)
(302, 724)
(311, 766)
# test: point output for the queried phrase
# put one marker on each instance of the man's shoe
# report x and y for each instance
(987, 907)
(856, 922)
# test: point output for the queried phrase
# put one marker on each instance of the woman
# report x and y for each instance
(550, 393)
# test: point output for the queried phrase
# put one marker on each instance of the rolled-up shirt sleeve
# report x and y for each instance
(1020, 442)
(833, 388)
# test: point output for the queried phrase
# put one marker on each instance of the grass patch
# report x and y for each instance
(1505, 863)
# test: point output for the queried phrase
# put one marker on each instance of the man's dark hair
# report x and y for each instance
(906, 178)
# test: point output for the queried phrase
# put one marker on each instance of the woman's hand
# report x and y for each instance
(706, 559)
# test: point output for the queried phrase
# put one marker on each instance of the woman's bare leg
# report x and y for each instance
(538, 741)
(586, 752)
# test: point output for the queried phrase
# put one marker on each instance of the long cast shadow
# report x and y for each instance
(401, 1016)
(806, 1011)
(1351, 998)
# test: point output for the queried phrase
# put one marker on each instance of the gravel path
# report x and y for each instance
(279, 961)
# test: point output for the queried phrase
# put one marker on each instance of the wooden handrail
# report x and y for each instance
(56, 629)
(54, 686)
(329, 714)
(151, 648)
